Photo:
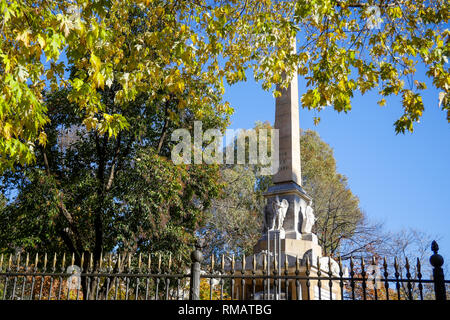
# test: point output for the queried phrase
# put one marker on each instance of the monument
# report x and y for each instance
(288, 215)
(287, 182)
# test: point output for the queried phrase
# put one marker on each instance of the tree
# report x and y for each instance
(234, 220)
(172, 43)
(97, 192)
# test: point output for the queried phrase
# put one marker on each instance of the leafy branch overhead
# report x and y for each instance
(169, 46)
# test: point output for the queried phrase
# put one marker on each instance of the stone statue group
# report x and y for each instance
(274, 216)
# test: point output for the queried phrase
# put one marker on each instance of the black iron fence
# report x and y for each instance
(123, 277)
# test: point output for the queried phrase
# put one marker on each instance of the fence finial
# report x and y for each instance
(197, 258)
(437, 261)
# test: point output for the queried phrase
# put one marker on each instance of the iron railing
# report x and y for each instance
(122, 277)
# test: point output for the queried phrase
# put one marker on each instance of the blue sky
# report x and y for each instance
(401, 180)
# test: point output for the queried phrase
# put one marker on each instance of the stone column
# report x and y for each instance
(287, 181)
(287, 122)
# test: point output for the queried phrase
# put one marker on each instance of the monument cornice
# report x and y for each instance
(287, 188)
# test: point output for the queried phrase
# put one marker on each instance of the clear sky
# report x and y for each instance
(401, 180)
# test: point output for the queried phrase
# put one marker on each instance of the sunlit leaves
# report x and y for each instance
(178, 46)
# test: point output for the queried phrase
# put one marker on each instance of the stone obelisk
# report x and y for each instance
(287, 181)
(287, 122)
(288, 214)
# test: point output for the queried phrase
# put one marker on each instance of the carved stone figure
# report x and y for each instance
(279, 209)
(308, 219)
(274, 215)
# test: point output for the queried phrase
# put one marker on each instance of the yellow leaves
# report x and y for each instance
(41, 40)
(42, 138)
(95, 62)
(194, 38)
(24, 36)
(180, 86)
(382, 102)
(90, 123)
(65, 24)
(112, 124)
(6, 62)
(7, 130)
(316, 120)
(159, 11)
(98, 78)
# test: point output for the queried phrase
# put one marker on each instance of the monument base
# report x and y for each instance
(310, 237)
(295, 247)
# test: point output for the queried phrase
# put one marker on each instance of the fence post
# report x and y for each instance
(437, 261)
(197, 258)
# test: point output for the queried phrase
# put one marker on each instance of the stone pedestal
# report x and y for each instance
(295, 248)
(301, 289)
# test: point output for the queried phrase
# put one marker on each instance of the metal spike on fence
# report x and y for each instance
(139, 261)
(254, 264)
(374, 263)
(170, 260)
(54, 262)
(385, 266)
(286, 263)
(27, 261)
(119, 262)
(45, 261)
(129, 262)
(159, 262)
(329, 267)
(212, 262)
(318, 264)
(73, 259)
(82, 261)
(18, 261)
(297, 265)
(10, 261)
(222, 266)
(243, 264)
(363, 264)
(340, 265)
(64, 261)
(101, 260)
(91, 261)
(36, 260)
(407, 265)
(264, 262)
(307, 264)
(232, 263)
(149, 261)
(1, 262)
(109, 262)
(275, 266)
(418, 266)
